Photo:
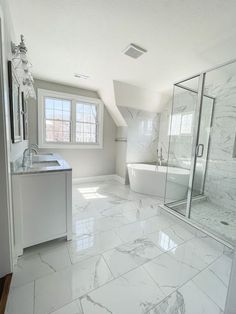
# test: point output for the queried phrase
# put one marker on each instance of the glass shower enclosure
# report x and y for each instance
(201, 172)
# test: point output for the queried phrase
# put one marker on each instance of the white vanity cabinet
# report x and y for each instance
(42, 207)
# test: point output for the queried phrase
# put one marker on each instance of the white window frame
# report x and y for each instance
(42, 94)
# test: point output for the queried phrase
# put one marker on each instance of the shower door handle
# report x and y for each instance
(199, 150)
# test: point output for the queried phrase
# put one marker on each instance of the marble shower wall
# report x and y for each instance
(142, 134)
(220, 185)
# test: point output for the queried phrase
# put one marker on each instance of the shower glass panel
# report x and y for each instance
(201, 175)
(202, 147)
(217, 209)
(180, 144)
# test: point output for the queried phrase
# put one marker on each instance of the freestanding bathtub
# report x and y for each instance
(151, 179)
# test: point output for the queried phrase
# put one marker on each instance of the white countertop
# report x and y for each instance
(42, 163)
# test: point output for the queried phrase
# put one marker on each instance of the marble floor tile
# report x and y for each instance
(84, 247)
(187, 300)
(28, 269)
(222, 267)
(127, 256)
(34, 266)
(131, 232)
(56, 290)
(198, 253)
(170, 238)
(130, 255)
(141, 209)
(21, 300)
(214, 281)
(155, 223)
(133, 293)
(170, 273)
(71, 308)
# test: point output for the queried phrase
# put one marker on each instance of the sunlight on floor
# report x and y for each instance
(91, 193)
(166, 242)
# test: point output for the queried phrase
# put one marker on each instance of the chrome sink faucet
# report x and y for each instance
(28, 154)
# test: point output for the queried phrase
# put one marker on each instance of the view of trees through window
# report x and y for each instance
(59, 121)
(86, 123)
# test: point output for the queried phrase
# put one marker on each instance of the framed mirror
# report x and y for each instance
(24, 116)
(15, 104)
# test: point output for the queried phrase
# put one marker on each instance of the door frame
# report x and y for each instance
(5, 183)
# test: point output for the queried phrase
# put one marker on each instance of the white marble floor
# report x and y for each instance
(127, 256)
(216, 219)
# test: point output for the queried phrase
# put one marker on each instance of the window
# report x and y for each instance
(86, 123)
(181, 124)
(57, 120)
(69, 121)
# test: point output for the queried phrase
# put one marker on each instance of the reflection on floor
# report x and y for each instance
(220, 221)
(127, 256)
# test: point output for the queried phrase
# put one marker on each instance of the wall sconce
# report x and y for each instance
(22, 66)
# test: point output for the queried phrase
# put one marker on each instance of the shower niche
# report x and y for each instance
(202, 141)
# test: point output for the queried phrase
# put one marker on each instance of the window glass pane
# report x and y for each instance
(57, 120)
(80, 116)
(93, 128)
(48, 113)
(79, 137)
(79, 107)
(186, 124)
(93, 138)
(57, 109)
(66, 115)
(175, 123)
(57, 131)
(86, 126)
(58, 115)
(49, 103)
(79, 127)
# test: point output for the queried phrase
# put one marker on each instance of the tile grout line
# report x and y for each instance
(194, 283)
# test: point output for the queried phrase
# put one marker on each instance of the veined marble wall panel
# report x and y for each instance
(142, 134)
(220, 186)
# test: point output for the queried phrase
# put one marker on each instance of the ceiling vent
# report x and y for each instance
(81, 76)
(134, 51)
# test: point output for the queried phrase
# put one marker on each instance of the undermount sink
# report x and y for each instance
(42, 164)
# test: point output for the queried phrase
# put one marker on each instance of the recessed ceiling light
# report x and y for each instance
(81, 76)
(134, 51)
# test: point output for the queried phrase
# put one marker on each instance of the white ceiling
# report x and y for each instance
(182, 37)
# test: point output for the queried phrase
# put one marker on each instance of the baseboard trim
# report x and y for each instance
(108, 177)
(5, 287)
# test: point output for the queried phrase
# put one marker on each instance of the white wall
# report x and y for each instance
(127, 95)
(85, 162)
(121, 151)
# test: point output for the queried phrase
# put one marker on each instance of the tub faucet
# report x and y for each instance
(159, 157)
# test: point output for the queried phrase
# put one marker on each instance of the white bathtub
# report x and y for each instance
(150, 179)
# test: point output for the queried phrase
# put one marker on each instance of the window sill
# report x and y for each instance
(71, 146)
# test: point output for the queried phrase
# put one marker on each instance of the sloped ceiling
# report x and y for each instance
(182, 37)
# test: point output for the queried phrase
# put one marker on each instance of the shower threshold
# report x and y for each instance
(220, 238)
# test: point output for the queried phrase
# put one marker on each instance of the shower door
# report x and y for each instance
(181, 137)
(189, 137)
